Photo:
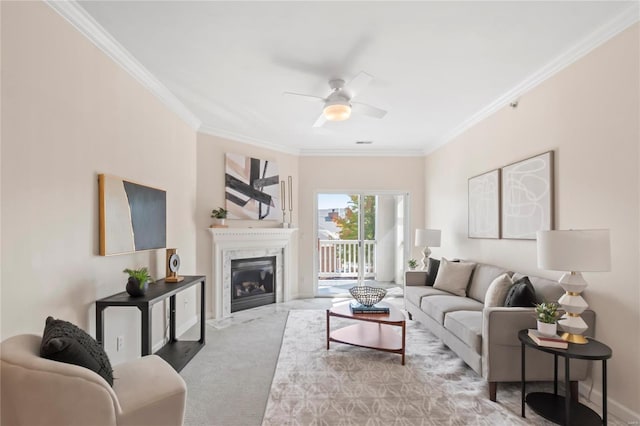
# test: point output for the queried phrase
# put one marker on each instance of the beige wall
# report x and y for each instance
(589, 115)
(69, 113)
(317, 174)
(211, 195)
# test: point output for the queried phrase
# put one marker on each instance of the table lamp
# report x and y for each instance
(576, 251)
(427, 238)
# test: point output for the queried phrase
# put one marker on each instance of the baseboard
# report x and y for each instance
(179, 332)
(614, 407)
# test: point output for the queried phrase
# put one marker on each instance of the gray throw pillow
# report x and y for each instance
(497, 291)
(453, 277)
(432, 271)
(521, 294)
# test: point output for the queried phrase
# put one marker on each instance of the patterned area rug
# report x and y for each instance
(348, 385)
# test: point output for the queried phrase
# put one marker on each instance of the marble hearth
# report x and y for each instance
(241, 243)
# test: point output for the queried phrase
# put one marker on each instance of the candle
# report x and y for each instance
(290, 194)
(282, 194)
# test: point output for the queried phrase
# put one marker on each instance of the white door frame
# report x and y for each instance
(361, 192)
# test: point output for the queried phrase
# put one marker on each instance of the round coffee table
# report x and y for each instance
(372, 331)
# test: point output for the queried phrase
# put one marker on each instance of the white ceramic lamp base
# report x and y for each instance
(574, 326)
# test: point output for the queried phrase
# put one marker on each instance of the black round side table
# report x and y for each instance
(562, 409)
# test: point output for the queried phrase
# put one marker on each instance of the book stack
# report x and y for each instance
(359, 308)
(554, 341)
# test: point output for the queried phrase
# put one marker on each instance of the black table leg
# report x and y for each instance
(172, 318)
(202, 311)
(100, 324)
(146, 330)
(555, 374)
(604, 391)
(522, 377)
(567, 393)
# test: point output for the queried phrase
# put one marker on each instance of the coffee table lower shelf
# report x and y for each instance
(381, 337)
(552, 407)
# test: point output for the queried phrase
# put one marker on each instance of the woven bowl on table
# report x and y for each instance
(368, 296)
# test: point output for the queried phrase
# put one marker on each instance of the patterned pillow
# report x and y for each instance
(65, 342)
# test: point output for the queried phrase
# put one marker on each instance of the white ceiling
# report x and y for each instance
(438, 66)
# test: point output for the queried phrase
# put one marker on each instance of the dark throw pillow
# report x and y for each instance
(432, 271)
(521, 294)
(65, 342)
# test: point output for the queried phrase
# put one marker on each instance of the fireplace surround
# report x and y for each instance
(231, 244)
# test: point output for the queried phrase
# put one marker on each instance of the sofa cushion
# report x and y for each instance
(415, 294)
(453, 277)
(546, 290)
(437, 306)
(65, 342)
(521, 294)
(497, 291)
(483, 276)
(432, 271)
(466, 326)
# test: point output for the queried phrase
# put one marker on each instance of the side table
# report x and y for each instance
(177, 353)
(566, 410)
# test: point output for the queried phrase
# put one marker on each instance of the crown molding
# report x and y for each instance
(79, 18)
(605, 32)
(361, 153)
(237, 137)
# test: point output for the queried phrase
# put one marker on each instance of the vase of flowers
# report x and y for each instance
(547, 314)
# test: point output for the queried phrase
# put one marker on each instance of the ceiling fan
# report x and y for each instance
(339, 103)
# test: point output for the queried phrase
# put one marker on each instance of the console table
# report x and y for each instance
(176, 352)
(566, 410)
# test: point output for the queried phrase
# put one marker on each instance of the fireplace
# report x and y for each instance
(253, 282)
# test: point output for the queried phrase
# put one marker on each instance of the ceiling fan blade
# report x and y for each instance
(369, 110)
(320, 121)
(358, 83)
(311, 98)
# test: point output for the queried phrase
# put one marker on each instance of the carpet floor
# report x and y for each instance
(347, 385)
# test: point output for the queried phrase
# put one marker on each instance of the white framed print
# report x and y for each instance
(484, 205)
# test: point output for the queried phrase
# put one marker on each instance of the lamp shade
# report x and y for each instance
(427, 238)
(580, 250)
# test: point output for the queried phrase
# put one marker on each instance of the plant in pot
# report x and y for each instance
(547, 314)
(413, 264)
(219, 216)
(138, 282)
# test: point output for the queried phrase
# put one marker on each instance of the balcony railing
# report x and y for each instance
(339, 258)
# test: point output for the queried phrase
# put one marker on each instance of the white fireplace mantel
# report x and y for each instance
(235, 243)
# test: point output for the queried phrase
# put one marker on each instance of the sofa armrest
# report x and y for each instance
(501, 347)
(415, 278)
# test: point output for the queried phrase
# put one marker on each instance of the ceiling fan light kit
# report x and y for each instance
(337, 111)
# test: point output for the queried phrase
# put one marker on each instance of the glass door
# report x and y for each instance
(352, 229)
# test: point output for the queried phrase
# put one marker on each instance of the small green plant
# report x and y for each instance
(412, 263)
(219, 213)
(142, 275)
(547, 312)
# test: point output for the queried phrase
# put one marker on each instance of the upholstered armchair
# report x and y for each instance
(37, 391)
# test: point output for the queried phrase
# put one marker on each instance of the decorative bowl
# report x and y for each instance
(368, 296)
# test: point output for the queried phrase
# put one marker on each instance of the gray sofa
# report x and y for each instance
(486, 338)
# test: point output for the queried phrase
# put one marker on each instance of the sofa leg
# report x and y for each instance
(573, 384)
(493, 391)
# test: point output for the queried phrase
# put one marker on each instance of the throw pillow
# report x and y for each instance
(521, 294)
(65, 342)
(432, 271)
(453, 277)
(497, 291)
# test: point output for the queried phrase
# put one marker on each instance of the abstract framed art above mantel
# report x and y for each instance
(484, 205)
(251, 188)
(527, 197)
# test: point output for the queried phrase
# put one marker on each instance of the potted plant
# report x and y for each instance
(546, 314)
(413, 264)
(138, 282)
(219, 216)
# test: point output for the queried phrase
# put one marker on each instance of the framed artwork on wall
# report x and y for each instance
(133, 217)
(527, 197)
(251, 188)
(484, 205)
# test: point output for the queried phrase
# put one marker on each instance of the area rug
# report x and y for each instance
(347, 385)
